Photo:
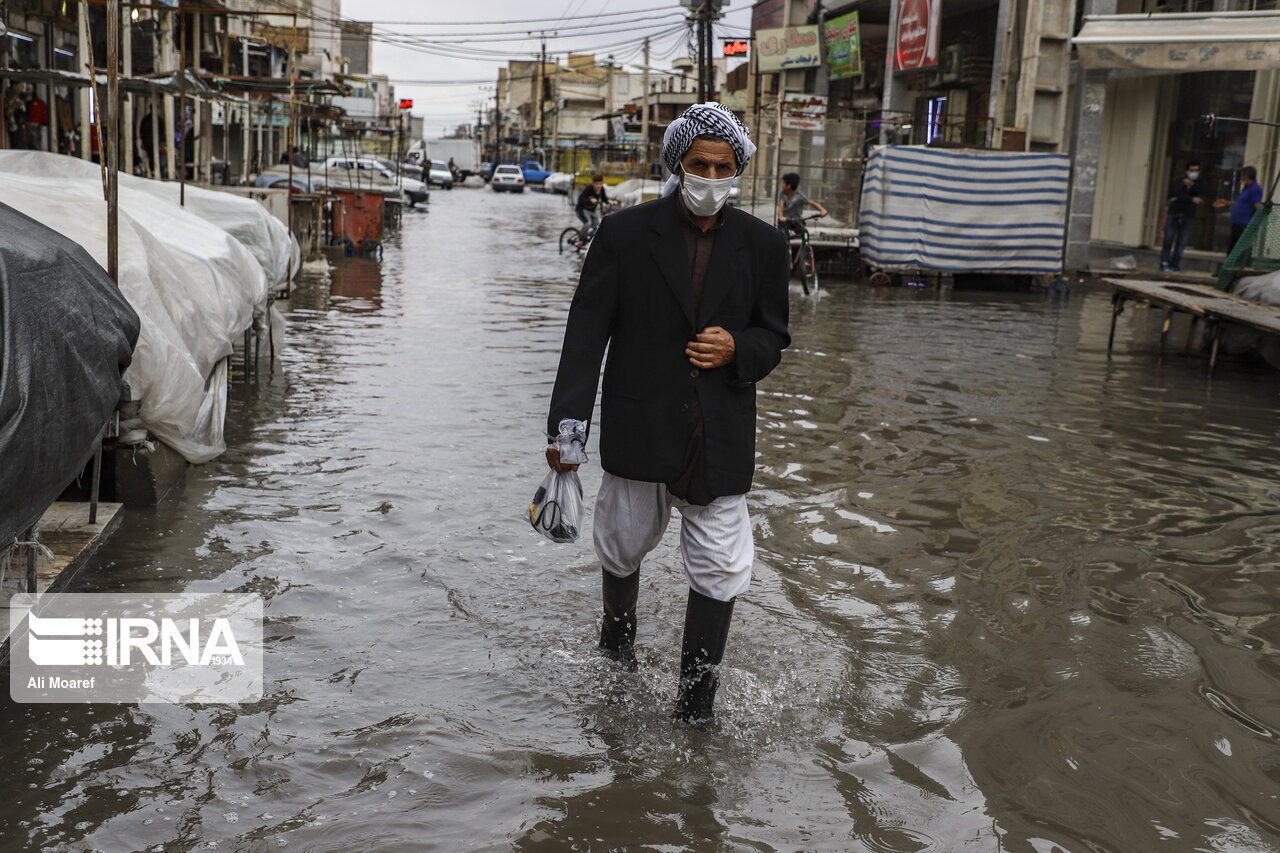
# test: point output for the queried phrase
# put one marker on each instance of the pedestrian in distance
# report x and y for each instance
(792, 202)
(1248, 200)
(690, 298)
(591, 201)
(1185, 193)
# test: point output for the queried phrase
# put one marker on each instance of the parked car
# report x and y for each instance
(439, 175)
(485, 171)
(414, 189)
(277, 177)
(507, 178)
(534, 173)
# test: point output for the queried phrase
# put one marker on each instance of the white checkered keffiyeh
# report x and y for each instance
(709, 119)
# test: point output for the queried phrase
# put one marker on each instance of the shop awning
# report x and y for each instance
(1225, 41)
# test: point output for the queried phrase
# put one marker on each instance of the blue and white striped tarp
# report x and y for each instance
(964, 211)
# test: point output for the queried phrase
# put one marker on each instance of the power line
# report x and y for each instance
(553, 31)
(549, 22)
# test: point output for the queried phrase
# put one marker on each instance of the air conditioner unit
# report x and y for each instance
(950, 63)
(935, 80)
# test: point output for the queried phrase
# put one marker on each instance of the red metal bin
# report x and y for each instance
(358, 216)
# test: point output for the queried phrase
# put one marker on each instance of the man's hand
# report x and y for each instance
(713, 347)
(553, 459)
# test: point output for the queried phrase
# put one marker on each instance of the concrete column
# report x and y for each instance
(894, 92)
(1260, 148)
(995, 106)
(1086, 146)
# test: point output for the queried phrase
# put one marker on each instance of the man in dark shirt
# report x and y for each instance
(690, 299)
(1185, 193)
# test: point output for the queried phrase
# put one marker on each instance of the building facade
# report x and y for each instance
(1034, 75)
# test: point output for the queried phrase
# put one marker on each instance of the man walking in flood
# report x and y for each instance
(690, 297)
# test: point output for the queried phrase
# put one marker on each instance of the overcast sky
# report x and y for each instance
(424, 45)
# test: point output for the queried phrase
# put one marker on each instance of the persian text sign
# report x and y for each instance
(804, 112)
(916, 47)
(146, 647)
(786, 48)
(844, 46)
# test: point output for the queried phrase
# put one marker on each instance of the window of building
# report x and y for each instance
(23, 52)
(935, 119)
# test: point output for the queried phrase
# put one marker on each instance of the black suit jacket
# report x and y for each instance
(635, 296)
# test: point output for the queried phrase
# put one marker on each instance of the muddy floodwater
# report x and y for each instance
(1009, 595)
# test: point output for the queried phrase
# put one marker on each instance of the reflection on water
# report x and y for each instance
(1010, 595)
(356, 284)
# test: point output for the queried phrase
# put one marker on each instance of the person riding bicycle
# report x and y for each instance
(792, 202)
(591, 202)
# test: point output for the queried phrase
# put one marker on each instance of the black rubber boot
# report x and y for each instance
(706, 629)
(618, 630)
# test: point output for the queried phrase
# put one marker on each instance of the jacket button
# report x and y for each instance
(694, 373)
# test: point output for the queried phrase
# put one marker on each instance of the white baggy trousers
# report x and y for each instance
(715, 540)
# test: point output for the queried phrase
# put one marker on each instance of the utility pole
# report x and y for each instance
(701, 18)
(497, 124)
(644, 119)
(542, 70)
(710, 9)
(707, 12)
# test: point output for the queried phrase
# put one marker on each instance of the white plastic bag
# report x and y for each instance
(556, 510)
(571, 442)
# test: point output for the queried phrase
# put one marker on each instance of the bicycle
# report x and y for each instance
(580, 237)
(802, 259)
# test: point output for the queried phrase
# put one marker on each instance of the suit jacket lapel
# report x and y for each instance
(671, 256)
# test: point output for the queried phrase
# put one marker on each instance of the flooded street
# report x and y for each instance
(1009, 595)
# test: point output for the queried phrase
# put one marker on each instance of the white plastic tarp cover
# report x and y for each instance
(265, 236)
(964, 210)
(195, 288)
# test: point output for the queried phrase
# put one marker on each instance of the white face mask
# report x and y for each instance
(704, 196)
(1193, 175)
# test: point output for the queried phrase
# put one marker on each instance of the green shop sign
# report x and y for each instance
(844, 47)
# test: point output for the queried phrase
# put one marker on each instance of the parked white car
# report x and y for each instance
(439, 175)
(508, 178)
(414, 189)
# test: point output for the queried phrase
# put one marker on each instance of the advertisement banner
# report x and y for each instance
(804, 112)
(844, 47)
(787, 47)
(919, 22)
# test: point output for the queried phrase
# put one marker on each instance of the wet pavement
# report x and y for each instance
(1009, 595)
